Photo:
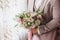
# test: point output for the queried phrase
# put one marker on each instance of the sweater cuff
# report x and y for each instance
(43, 29)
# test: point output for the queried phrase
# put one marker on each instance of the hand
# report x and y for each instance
(43, 29)
(34, 30)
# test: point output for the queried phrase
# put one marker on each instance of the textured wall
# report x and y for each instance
(8, 10)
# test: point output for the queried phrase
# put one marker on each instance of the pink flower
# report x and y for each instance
(19, 20)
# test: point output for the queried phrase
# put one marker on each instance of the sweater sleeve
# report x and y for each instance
(55, 22)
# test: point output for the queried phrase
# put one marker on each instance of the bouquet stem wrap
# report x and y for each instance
(30, 35)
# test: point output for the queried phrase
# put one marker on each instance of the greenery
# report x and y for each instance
(30, 19)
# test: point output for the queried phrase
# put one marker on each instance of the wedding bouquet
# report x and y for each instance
(30, 19)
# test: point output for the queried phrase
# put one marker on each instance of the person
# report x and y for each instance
(52, 19)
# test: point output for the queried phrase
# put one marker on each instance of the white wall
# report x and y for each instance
(8, 10)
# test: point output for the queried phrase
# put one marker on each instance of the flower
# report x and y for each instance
(30, 19)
